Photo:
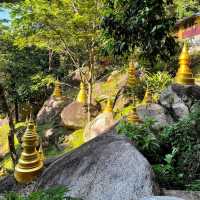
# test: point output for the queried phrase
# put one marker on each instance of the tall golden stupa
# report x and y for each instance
(184, 75)
(57, 93)
(109, 106)
(30, 163)
(82, 96)
(131, 74)
(148, 97)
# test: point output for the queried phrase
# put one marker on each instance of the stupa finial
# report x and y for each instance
(57, 93)
(184, 75)
(82, 96)
(109, 106)
(148, 99)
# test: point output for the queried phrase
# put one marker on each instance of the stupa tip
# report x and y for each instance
(109, 106)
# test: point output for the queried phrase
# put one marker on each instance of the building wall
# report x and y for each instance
(191, 33)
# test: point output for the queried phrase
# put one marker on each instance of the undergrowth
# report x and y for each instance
(174, 152)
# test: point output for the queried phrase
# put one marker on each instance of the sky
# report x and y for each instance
(4, 14)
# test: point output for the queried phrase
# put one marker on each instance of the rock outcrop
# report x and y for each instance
(161, 198)
(175, 103)
(156, 112)
(108, 167)
(98, 126)
(179, 99)
(74, 115)
(51, 110)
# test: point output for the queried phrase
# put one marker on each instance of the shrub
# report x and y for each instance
(174, 152)
(56, 193)
(157, 83)
(144, 137)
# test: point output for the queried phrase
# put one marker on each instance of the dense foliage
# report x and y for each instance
(142, 25)
(174, 152)
(187, 8)
(156, 82)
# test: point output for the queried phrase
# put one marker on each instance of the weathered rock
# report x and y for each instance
(178, 99)
(51, 110)
(161, 198)
(74, 115)
(180, 110)
(98, 126)
(108, 167)
(156, 112)
(186, 195)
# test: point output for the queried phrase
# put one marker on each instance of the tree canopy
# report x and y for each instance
(144, 25)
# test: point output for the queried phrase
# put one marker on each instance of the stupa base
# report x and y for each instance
(185, 81)
(27, 175)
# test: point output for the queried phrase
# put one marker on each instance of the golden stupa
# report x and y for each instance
(148, 97)
(109, 106)
(131, 74)
(30, 164)
(133, 116)
(2, 172)
(82, 96)
(184, 75)
(41, 153)
(57, 93)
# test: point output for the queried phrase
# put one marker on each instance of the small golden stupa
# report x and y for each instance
(82, 96)
(148, 97)
(184, 75)
(41, 153)
(57, 93)
(133, 116)
(131, 74)
(30, 164)
(2, 172)
(109, 106)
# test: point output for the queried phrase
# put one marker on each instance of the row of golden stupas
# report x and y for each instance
(31, 160)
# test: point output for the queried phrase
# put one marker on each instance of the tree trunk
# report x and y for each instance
(90, 82)
(11, 124)
(50, 59)
(16, 111)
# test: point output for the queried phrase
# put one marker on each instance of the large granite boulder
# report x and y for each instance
(99, 125)
(179, 99)
(156, 112)
(51, 110)
(74, 115)
(108, 167)
(161, 198)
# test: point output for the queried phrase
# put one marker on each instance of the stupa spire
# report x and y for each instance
(131, 74)
(29, 165)
(109, 106)
(82, 96)
(184, 75)
(57, 93)
(148, 99)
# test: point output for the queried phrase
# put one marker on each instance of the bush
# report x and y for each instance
(144, 137)
(157, 83)
(183, 140)
(174, 152)
(56, 193)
